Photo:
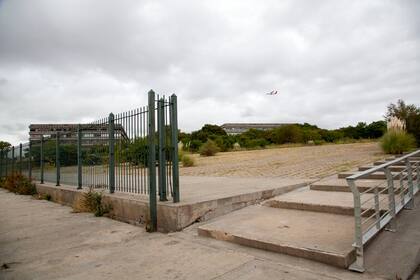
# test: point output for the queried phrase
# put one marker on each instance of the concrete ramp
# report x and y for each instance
(322, 237)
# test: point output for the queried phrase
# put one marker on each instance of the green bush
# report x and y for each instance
(19, 184)
(209, 149)
(187, 161)
(287, 134)
(396, 142)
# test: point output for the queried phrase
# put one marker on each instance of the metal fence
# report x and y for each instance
(132, 152)
(376, 207)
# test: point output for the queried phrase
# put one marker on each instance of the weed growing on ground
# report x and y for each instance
(209, 149)
(92, 201)
(19, 184)
(187, 161)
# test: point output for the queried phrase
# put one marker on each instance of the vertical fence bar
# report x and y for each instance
(30, 160)
(162, 157)
(111, 130)
(1, 163)
(392, 226)
(6, 160)
(20, 158)
(79, 157)
(13, 160)
(57, 158)
(152, 163)
(174, 140)
(41, 157)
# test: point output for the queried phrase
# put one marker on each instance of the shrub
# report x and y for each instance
(394, 142)
(209, 149)
(287, 134)
(20, 184)
(187, 161)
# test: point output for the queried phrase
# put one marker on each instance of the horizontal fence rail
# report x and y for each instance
(376, 207)
(133, 152)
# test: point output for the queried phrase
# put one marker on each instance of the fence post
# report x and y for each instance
(152, 162)
(111, 129)
(162, 155)
(174, 133)
(57, 158)
(13, 160)
(20, 158)
(1, 163)
(6, 160)
(41, 158)
(79, 157)
(30, 160)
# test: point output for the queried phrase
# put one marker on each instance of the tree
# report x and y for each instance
(4, 144)
(409, 113)
(401, 110)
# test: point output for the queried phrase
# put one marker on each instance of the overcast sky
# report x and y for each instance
(333, 63)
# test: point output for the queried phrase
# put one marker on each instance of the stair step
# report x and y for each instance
(322, 237)
(375, 176)
(401, 163)
(397, 168)
(329, 202)
(340, 185)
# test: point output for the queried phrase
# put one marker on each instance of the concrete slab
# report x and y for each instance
(374, 176)
(322, 237)
(44, 240)
(328, 202)
(202, 198)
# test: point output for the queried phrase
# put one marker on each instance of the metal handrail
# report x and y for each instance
(387, 217)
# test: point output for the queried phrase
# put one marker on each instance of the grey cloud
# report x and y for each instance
(334, 63)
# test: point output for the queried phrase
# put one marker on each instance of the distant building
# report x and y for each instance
(238, 128)
(92, 132)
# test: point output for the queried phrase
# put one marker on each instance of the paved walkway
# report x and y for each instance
(295, 162)
(43, 240)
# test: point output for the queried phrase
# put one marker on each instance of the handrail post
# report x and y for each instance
(358, 265)
(162, 156)
(57, 158)
(111, 130)
(410, 203)
(174, 140)
(392, 226)
(41, 159)
(152, 163)
(79, 157)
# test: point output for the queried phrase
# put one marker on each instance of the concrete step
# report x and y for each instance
(329, 202)
(380, 175)
(322, 237)
(375, 176)
(340, 185)
(397, 168)
(379, 162)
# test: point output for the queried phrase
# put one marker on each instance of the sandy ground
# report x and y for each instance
(292, 162)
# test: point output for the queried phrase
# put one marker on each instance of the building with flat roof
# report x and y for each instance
(238, 128)
(93, 132)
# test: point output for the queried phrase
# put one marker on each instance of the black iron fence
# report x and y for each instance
(131, 152)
